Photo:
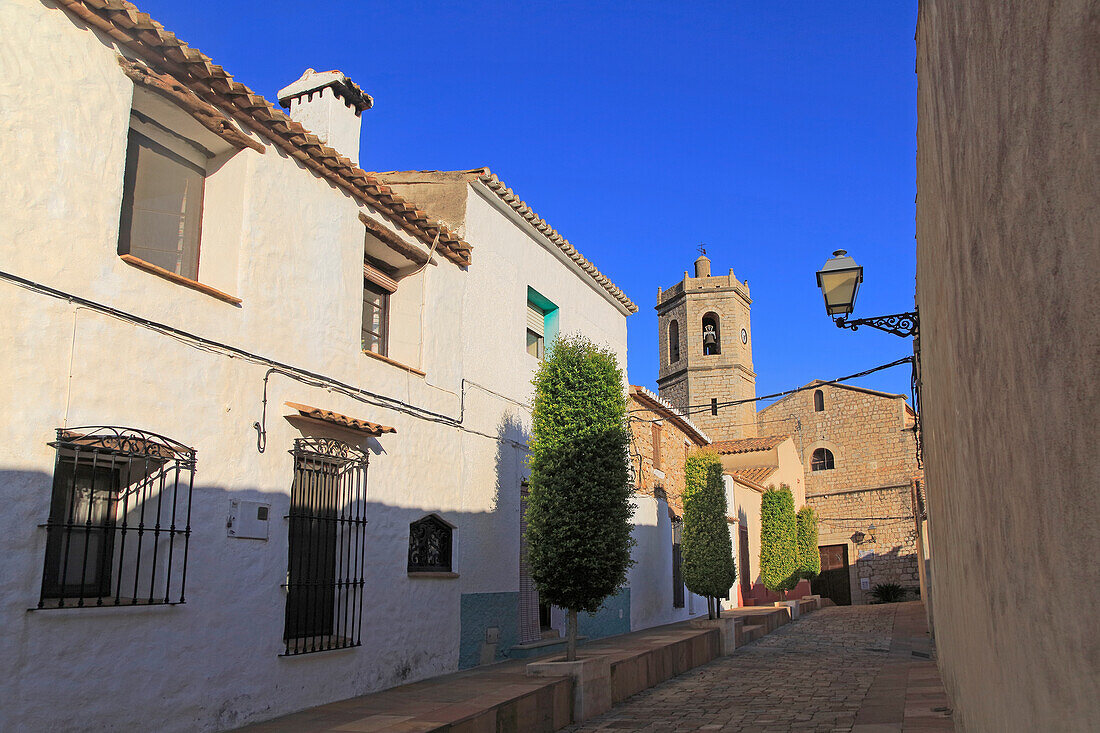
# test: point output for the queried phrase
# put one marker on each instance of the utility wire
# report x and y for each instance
(694, 409)
(297, 373)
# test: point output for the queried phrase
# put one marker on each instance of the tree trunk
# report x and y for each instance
(571, 637)
(717, 607)
(710, 606)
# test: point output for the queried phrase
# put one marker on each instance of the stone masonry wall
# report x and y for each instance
(870, 435)
(651, 479)
(696, 378)
(887, 555)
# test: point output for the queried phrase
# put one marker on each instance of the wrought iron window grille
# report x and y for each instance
(326, 553)
(119, 526)
(430, 545)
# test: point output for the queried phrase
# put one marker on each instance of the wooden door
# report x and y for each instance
(833, 581)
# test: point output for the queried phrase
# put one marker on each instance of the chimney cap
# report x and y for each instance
(314, 81)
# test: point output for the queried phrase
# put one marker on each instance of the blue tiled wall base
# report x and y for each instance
(480, 611)
(612, 618)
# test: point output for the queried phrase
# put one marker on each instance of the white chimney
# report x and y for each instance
(328, 104)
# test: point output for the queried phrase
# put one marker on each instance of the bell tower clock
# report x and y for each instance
(705, 350)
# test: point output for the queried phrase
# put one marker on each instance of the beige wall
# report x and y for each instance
(783, 458)
(1007, 273)
(743, 504)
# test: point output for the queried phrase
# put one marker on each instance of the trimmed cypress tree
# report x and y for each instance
(809, 558)
(578, 505)
(778, 541)
(708, 566)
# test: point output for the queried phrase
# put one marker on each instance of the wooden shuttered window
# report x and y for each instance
(536, 330)
(536, 319)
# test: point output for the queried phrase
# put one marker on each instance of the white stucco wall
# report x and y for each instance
(290, 246)
(650, 579)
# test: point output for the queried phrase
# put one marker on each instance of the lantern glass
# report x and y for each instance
(839, 281)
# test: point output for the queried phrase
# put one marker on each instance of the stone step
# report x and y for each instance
(749, 634)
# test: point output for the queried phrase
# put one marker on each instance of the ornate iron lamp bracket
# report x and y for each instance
(905, 325)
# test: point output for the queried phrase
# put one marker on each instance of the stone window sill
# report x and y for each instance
(431, 574)
(395, 363)
(179, 279)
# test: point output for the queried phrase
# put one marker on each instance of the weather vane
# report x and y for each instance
(702, 248)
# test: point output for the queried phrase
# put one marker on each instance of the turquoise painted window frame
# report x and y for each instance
(550, 317)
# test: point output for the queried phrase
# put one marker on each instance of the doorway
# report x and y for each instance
(743, 562)
(833, 581)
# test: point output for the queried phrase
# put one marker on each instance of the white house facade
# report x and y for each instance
(266, 418)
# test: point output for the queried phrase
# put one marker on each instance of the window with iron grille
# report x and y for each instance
(119, 525)
(430, 545)
(327, 547)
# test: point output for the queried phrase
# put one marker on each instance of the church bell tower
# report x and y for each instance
(706, 351)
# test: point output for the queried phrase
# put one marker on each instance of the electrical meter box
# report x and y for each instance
(248, 520)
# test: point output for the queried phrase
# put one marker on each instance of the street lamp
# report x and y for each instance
(839, 281)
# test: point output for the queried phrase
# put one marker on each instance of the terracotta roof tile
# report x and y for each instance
(756, 475)
(335, 418)
(139, 33)
(748, 445)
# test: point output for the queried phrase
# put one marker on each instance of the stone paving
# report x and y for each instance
(864, 669)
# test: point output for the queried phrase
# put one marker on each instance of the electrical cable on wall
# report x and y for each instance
(693, 409)
(299, 374)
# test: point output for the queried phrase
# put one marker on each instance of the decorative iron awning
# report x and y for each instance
(343, 421)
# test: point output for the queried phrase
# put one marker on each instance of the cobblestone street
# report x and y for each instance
(850, 668)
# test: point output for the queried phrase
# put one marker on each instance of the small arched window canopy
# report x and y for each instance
(712, 334)
(822, 460)
(819, 401)
(673, 342)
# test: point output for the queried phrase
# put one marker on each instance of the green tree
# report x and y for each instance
(809, 558)
(578, 508)
(778, 541)
(707, 550)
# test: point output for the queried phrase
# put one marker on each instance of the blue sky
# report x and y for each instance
(773, 132)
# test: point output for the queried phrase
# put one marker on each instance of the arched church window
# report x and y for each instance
(673, 342)
(819, 401)
(712, 334)
(822, 460)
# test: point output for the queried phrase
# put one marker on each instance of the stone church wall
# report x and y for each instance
(870, 435)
